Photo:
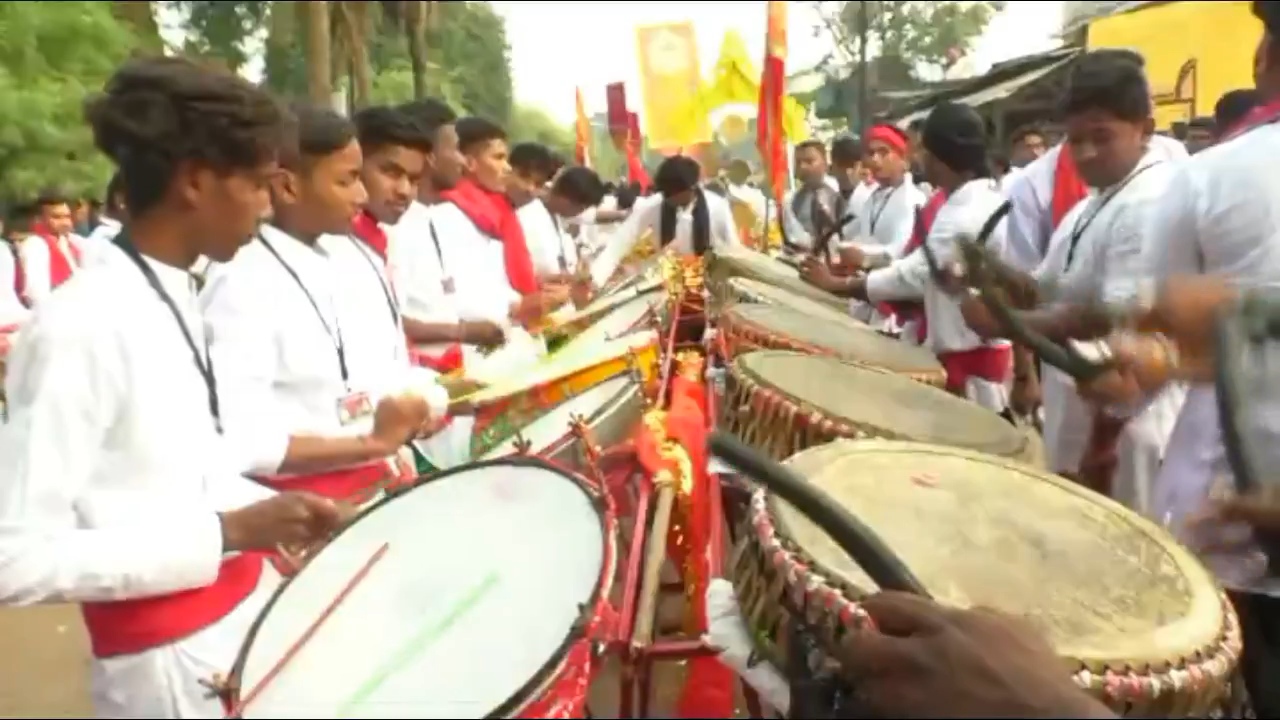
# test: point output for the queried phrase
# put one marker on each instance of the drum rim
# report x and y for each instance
(739, 313)
(1205, 597)
(615, 401)
(740, 262)
(636, 348)
(577, 631)
(1017, 446)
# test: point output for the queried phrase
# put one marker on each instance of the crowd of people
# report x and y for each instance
(254, 334)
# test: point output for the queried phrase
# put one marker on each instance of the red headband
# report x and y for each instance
(889, 135)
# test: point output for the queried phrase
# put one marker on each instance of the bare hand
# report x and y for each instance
(482, 333)
(852, 256)
(1117, 385)
(1026, 396)
(815, 272)
(397, 419)
(929, 661)
(289, 519)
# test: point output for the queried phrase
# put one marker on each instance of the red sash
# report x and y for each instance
(493, 215)
(449, 361)
(60, 266)
(128, 627)
(1262, 115)
(907, 311)
(992, 363)
(371, 233)
(1068, 188)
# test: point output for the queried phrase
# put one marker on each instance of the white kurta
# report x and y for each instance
(12, 311)
(277, 354)
(1108, 230)
(883, 231)
(1218, 216)
(646, 215)
(552, 250)
(34, 252)
(908, 278)
(113, 475)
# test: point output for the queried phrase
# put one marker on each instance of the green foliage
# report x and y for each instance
(52, 56)
(470, 39)
(907, 36)
(531, 124)
(221, 29)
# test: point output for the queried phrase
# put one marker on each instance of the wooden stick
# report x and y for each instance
(655, 558)
(310, 632)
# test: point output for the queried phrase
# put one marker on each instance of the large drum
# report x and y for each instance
(746, 290)
(501, 410)
(783, 402)
(625, 315)
(727, 263)
(610, 411)
(485, 588)
(747, 327)
(1141, 623)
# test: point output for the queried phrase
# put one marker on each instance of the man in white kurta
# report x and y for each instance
(678, 190)
(51, 253)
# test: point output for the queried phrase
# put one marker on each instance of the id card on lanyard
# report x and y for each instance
(351, 406)
(446, 280)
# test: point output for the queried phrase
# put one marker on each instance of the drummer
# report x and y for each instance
(304, 403)
(554, 252)
(118, 494)
(1216, 217)
(813, 209)
(681, 215)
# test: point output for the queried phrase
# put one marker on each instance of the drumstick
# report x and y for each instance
(655, 558)
(881, 564)
(310, 632)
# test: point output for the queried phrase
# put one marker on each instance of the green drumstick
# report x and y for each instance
(415, 645)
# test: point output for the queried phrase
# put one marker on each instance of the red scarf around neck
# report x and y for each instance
(1264, 114)
(904, 312)
(366, 228)
(60, 266)
(1068, 187)
(493, 215)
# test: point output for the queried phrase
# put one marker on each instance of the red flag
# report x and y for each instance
(635, 168)
(582, 133)
(615, 95)
(770, 137)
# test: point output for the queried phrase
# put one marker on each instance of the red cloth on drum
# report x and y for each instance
(366, 228)
(566, 696)
(992, 363)
(60, 266)
(1068, 187)
(493, 215)
(904, 312)
(448, 361)
(126, 627)
(355, 484)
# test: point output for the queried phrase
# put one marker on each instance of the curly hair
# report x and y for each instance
(381, 126)
(156, 113)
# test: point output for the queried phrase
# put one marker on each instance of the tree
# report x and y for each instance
(140, 18)
(53, 55)
(531, 124)
(470, 38)
(904, 37)
(319, 62)
(220, 30)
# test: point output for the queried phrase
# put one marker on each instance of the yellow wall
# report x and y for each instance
(1220, 37)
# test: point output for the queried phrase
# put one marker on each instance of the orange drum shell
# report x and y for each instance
(741, 336)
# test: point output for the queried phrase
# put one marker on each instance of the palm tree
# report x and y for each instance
(319, 64)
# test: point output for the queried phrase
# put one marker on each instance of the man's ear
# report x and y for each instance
(286, 187)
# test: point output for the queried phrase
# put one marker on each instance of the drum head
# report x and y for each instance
(617, 322)
(728, 263)
(466, 615)
(849, 339)
(1105, 585)
(550, 429)
(892, 404)
(755, 291)
(570, 360)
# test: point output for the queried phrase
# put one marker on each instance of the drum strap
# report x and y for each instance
(701, 224)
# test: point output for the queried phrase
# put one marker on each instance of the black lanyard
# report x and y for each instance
(1084, 222)
(204, 363)
(435, 240)
(875, 215)
(335, 334)
(386, 289)
(555, 223)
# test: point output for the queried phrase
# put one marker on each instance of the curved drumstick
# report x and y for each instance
(1063, 357)
(861, 543)
(1253, 321)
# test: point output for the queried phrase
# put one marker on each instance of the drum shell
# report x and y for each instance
(724, 264)
(781, 425)
(782, 586)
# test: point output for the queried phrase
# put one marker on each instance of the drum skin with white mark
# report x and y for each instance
(489, 601)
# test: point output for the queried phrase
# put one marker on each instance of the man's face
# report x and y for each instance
(227, 207)
(1027, 149)
(848, 175)
(1198, 138)
(885, 162)
(58, 218)
(445, 162)
(563, 206)
(523, 187)
(487, 165)
(1104, 147)
(811, 166)
(390, 176)
(324, 194)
